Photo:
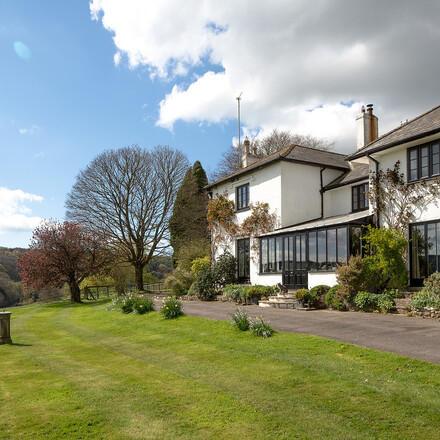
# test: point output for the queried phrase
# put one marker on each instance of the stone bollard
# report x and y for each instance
(5, 328)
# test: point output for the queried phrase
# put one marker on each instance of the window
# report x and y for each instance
(423, 161)
(242, 197)
(359, 197)
(243, 259)
(271, 255)
(425, 251)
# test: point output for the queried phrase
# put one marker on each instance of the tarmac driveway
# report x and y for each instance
(408, 336)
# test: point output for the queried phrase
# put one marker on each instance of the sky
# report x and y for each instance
(78, 78)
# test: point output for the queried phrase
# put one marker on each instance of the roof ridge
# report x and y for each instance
(395, 129)
(320, 149)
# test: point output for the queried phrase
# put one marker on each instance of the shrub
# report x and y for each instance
(127, 304)
(235, 291)
(394, 293)
(225, 269)
(332, 301)
(385, 263)
(142, 305)
(421, 300)
(351, 279)
(385, 303)
(240, 320)
(199, 264)
(116, 304)
(317, 296)
(179, 282)
(192, 290)
(373, 301)
(302, 295)
(261, 328)
(171, 308)
(431, 287)
(205, 286)
(365, 300)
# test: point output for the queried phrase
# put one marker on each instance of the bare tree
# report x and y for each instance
(128, 194)
(274, 141)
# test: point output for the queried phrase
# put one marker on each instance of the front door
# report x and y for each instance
(295, 261)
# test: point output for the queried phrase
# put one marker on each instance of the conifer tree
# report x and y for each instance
(188, 225)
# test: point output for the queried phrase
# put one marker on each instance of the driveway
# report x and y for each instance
(408, 336)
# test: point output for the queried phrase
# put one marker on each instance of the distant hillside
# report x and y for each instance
(8, 259)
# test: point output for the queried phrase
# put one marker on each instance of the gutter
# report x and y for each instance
(321, 191)
(377, 180)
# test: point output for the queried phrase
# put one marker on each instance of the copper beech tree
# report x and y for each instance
(62, 253)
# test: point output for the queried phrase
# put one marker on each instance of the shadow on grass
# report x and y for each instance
(21, 345)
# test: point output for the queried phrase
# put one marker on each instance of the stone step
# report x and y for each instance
(402, 305)
(281, 299)
(276, 305)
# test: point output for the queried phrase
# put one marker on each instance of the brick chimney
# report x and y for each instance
(248, 158)
(366, 127)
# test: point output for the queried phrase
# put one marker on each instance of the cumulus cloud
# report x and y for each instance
(15, 215)
(301, 66)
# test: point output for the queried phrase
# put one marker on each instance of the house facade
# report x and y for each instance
(320, 200)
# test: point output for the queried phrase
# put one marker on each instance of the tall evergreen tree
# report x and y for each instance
(188, 225)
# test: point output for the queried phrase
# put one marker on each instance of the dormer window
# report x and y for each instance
(423, 161)
(242, 197)
(359, 197)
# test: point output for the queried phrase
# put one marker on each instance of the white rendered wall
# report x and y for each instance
(301, 185)
(325, 278)
(264, 187)
(337, 201)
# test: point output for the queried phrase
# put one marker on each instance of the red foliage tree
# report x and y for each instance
(62, 253)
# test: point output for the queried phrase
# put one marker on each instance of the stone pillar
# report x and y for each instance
(5, 328)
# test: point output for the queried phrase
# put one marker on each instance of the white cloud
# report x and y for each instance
(287, 56)
(34, 128)
(14, 212)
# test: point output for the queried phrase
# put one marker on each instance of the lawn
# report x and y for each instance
(81, 372)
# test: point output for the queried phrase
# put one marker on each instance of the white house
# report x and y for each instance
(321, 202)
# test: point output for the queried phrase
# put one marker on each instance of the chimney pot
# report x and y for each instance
(366, 127)
(247, 145)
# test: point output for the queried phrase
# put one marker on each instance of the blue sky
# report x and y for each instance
(80, 77)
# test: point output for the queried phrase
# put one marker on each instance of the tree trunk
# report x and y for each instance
(75, 292)
(139, 275)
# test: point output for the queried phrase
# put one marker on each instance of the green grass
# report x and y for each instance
(80, 372)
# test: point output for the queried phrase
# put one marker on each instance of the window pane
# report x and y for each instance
(303, 252)
(271, 254)
(432, 248)
(418, 252)
(331, 248)
(297, 251)
(413, 164)
(279, 266)
(355, 240)
(322, 257)
(367, 201)
(355, 202)
(438, 246)
(291, 253)
(286, 253)
(263, 253)
(424, 169)
(313, 262)
(435, 159)
(342, 245)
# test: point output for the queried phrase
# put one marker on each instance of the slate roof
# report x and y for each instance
(292, 153)
(359, 172)
(424, 125)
